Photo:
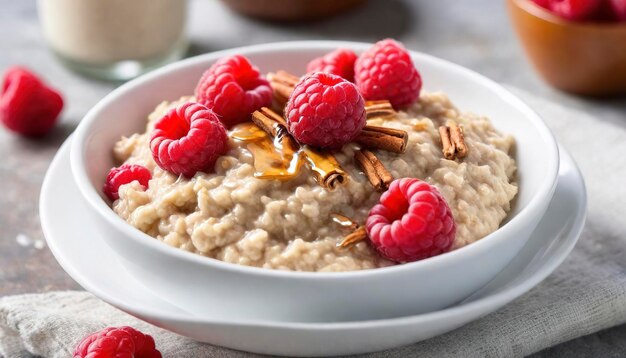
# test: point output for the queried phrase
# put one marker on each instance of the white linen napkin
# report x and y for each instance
(586, 294)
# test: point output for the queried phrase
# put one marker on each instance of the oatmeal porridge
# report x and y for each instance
(233, 216)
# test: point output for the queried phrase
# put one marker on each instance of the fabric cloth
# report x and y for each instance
(587, 293)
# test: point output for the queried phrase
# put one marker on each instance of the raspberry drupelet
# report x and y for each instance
(339, 62)
(325, 111)
(233, 88)
(188, 139)
(386, 71)
(411, 222)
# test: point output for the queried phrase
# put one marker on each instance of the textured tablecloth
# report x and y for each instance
(586, 294)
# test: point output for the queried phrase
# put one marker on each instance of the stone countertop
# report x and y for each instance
(475, 34)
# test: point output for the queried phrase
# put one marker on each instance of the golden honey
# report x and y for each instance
(282, 158)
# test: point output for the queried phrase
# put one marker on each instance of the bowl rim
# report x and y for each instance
(537, 11)
(515, 224)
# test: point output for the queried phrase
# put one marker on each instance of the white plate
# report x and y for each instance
(85, 257)
(220, 290)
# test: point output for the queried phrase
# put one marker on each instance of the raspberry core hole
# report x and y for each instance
(246, 81)
(399, 206)
(328, 80)
(176, 127)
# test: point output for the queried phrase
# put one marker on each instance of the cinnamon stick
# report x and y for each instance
(446, 142)
(284, 77)
(325, 167)
(282, 83)
(374, 170)
(376, 109)
(389, 139)
(381, 171)
(458, 138)
(268, 120)
(452, 141)
(359, 234)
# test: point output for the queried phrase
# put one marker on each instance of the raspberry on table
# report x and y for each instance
(325, 111)
(188, 139)
(125, 174)
(411, 222)
(386, 71)
(27, 106)
(339, 62)
(233, 88)
(122, 342)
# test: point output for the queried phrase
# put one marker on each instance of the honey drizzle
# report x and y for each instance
(282, 158)
(344, 221)
(276, 158)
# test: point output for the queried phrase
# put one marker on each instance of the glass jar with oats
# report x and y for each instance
(115, 39)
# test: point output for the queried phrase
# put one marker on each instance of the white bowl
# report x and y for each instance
(220, 290)
(91, 262)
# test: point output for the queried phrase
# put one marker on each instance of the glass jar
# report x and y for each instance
(115, 39)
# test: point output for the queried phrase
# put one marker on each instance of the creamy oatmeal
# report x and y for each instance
(232, 216)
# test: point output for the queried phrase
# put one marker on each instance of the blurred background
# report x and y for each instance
(477, 34)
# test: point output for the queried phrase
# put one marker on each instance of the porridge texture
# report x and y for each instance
(232, 216)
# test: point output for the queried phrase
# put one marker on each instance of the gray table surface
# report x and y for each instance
(476, 34)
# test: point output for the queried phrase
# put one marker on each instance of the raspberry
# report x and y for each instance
(27, 106)
(188, 139)
(411, 222)
(386, 71)
(233, 89)
(113, 342)
(574, 10)
(325, 110)
(339, 62)
(125, 174)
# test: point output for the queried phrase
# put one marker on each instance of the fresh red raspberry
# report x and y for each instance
(114, 342)
(27, 106)
(386, 71)
(188, 139)
(339, 62)
(325, 111)
(233, 89)
(574, 10)
(411, 222)
(125, 174)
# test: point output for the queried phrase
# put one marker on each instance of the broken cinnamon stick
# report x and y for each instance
(282, 83)
(359, 234)
(325, 167)
(374, 170)
(452, 141)
(458, 138)
(376, 109)
(389, 139)
(446, 142)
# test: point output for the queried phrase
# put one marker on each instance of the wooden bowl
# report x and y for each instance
(291, 10)
(582, 58)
